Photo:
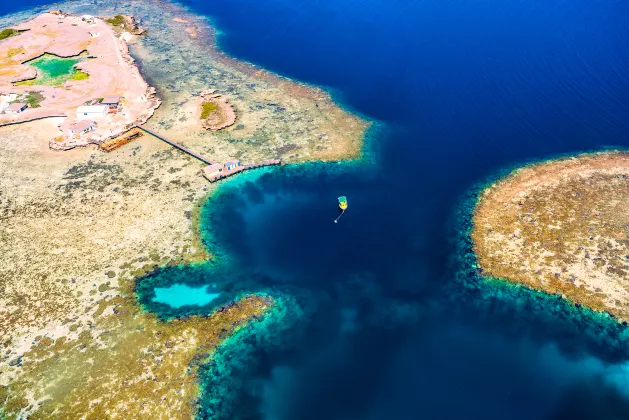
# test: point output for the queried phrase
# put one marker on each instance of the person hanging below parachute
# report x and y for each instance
(342, 206)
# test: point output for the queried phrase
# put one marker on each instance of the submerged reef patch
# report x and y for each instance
(529, 310)
(271, 320)
(237, 356)
(137, 361)
(562, 227)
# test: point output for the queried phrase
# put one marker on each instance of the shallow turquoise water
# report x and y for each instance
(178, 295)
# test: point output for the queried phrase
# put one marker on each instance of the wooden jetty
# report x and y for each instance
(214, 177)
(176, 145)
(121, 140)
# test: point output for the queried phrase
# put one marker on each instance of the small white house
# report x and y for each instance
(112, 102)
(212, 170)
(88, 112)
(231, 165)
(81, 127)
(15, 108)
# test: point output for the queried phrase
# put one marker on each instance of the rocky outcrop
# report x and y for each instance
(216, 113)
(154, 103)
(133, 26)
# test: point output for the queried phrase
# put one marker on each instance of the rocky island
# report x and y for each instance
(78, 67)
(561, 226)
(216, 112)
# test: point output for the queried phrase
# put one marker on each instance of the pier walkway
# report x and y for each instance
(225, 173)
(178, 146)
(215, 176)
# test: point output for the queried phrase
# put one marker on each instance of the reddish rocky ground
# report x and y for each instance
(111, 70)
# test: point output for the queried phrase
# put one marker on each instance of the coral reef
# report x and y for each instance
(137, 361)
(561, 227)
(278, 118)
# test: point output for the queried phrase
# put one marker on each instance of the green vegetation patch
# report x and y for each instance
(7, 33)
(54, 70)
(33, 99)
(118, 20)
(79, 75)
(207, 109)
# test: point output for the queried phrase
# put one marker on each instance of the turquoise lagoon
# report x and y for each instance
(178, 295)
(54, 70)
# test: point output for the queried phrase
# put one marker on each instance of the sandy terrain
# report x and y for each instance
(112, 72)
(76, 229)
(562, 227)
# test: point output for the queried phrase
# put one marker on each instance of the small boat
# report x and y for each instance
(343, 202)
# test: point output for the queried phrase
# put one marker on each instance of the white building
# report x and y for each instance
(89, 112)
(81, 127)
(15, 108)
(5, 100)
(212, 170)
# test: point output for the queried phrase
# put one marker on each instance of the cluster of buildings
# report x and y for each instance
(217, 170)
(88, 115)
(98, 109)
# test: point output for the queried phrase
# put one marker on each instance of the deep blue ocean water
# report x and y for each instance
(393, 323)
